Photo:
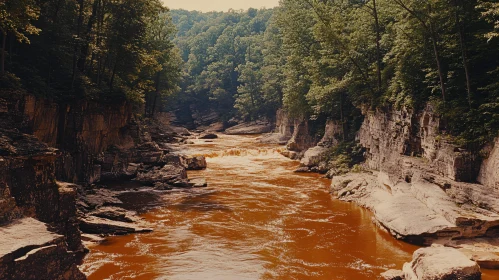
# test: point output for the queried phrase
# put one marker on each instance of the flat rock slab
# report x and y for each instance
(441, 263)
(274, 138)
(115, 214)
(405, 215)
(96, 225)
(419, 211)
(485, 251)
(208, 136)
(249, 128)
(24, 235)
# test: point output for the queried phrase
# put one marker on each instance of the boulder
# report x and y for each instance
(250, 128)
(115, 214)
(96, 225)
(302, 169)
(290, 154)
(441, 263)
(208, 136)
(274, 138)
(167, 174)
(313, 156)
(96, 198)
(194, 162)
(393, 274)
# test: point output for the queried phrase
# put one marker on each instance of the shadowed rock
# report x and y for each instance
(96, 225)
(208, 136)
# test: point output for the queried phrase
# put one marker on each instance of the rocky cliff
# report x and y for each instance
(489, 171)
(45, 147)
(39, 227)
(38, 216)
(390, 134)
(82, 131)
(420, 186)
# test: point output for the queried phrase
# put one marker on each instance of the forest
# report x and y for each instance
(333, 59)
(316, 59)
(102, 50)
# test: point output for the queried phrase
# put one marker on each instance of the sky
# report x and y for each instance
(219, 5)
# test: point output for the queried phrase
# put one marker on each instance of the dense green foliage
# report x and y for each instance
(99, 49)
(231, 62)
(334, 57)
(315, 58)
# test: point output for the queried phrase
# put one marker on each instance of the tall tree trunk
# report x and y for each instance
(429, 29)
(2, 60)
(437, 57)
(342, 118)
(464, 52)
(111, 82)
(76, 46)
(99, 70)
(156, 94)
(12, 40)
(378, 46)
(84, 52)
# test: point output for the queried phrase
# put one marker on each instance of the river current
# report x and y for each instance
(255, 220)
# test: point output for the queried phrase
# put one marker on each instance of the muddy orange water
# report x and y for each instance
(256, 220)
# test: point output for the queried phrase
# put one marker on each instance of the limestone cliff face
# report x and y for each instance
(301, 139)
(388, 135)
(332, 132)
(284, 125)
(298, 136)
(489, 172)
(419, 185)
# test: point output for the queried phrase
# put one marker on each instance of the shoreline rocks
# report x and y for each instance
(250, 128)
(440, 263)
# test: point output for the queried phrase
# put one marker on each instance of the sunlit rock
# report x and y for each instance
(440, 263)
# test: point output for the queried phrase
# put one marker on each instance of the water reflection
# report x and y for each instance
(256, 220)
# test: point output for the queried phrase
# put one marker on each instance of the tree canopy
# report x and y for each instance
(96, 49)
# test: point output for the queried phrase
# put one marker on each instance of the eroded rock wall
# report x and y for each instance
(82, 131)
(390, 134)
(489, 172)
(31, 200)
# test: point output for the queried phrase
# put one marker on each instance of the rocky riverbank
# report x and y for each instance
(421, 187)
(79, 167)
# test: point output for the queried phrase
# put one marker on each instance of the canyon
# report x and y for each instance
(65, 168)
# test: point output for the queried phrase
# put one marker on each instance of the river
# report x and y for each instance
(256, 220)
